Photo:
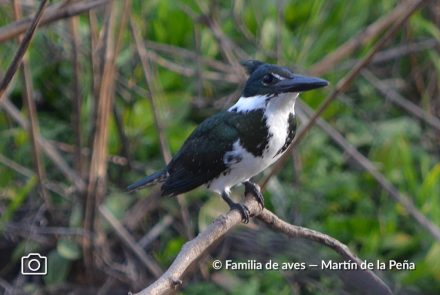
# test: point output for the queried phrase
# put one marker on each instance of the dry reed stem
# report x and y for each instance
(34, 129)
(98, 164)
(76, 93)
(53, 13)
(12, 69)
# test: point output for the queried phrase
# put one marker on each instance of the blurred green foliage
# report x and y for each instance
(324, 189)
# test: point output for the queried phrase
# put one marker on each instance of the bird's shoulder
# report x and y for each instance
(226, 127)
(201, 157)
(214, 136)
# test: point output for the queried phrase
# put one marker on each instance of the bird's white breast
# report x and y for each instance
(276, 113)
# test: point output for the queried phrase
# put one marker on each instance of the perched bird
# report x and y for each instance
(234, 145)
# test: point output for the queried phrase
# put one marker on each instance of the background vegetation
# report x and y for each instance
(119, 87)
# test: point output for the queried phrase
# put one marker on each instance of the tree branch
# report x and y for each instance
(53, 13)
(193, 250)
(24, 44)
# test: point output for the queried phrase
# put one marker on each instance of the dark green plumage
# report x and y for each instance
(201, 157)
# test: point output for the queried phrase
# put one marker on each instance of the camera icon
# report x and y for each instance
(34, 264)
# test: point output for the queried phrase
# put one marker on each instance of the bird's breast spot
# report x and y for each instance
(232, 157)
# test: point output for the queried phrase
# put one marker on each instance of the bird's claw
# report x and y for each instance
(254, 190)
(244, 211)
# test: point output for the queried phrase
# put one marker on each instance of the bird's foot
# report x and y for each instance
(244, 211)
(254, 190)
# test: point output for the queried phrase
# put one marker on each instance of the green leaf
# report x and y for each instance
(23, 248)
(58, 269)
(117, 204)
(17, 201)
(430, 185)
(399, 127)
(268, 34)
(208, 45)
(428, 190)
(68, 249)
(433, 259)
(171, 250)
(76, 216)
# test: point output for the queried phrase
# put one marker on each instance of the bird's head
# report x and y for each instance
(267, 80)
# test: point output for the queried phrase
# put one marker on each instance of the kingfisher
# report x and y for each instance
(232, 146)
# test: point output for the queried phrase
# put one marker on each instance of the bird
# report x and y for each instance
(233, 145)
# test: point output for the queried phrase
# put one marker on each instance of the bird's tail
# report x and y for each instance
(152, 179)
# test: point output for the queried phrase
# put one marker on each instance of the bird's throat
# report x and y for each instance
(273, 103)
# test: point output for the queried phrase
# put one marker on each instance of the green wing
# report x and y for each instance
(201, 157)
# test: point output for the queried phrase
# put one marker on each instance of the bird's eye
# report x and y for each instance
(268, 79)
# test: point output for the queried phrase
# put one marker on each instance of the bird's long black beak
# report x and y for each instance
(300, 83)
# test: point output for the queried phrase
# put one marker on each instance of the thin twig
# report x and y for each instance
(399, 100)
(238, 16)
(125, 144)
(366, 164)
(10, 72)
(155, 231)
(13, 227)
(188, 71)
(194, 249)
(46, 146)
(199, 65)
(8, 288)
(34, 129)
(279, 30)
(144, 57)
(125, 236)
(231, 51)
(395, 53)
(53, 13)
(126, 13)
(96, 45)
(76, 93)
(52, 186)
(114, 159)
(16, 167)
(363, 37)
(187, 54)
(141, 210)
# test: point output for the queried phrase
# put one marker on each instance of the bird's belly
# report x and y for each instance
(247, 167)
(250, 165)
(238, 173)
